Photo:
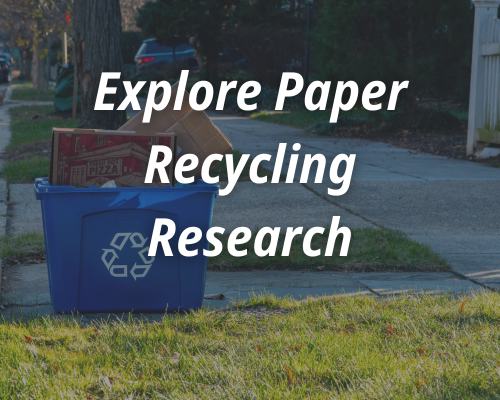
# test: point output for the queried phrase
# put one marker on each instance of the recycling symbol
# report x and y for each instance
(121, 271)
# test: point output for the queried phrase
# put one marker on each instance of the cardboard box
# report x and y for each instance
(88, 157)
(196, 133)
(160, 120)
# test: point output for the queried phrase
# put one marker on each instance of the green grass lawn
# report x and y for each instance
(26, 171)
(26, 92)
(408, 347)
(370, 250)
(31, 124)
(26, 244)
(34, 123)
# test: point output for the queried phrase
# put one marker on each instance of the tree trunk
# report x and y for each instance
(210, 51)
(41, 75)
(34, 67)
(47, 65)
(98, 49)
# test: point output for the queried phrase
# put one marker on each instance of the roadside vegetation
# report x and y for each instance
(370, 250)
(405, 347)
(27, 157)
(22, 246)
(26, 92)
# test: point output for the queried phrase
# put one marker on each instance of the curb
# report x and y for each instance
(3, 220)
(4, 189)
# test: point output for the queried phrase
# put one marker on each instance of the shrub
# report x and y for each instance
(268, 51)
(425, 120)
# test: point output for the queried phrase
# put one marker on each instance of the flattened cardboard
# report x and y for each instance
(88, 157)
(196, 133)
(160, 120)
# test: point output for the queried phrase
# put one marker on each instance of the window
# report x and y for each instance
(101, 140)
(78, 175)
(78, 146)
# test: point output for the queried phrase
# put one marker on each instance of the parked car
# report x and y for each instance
(5, 69)
(154, 54)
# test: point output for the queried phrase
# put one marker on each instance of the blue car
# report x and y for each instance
(153, 54)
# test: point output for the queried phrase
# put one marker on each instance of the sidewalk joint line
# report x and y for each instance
(491, 288)
(342, 207)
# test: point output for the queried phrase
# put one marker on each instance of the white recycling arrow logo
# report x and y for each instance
(121, 271)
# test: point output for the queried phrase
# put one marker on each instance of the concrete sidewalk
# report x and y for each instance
(26, 293)
(446, 203)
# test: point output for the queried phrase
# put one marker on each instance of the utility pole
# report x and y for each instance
(65, 48)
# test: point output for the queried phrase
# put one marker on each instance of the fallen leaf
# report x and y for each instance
(296, 348)
(258, 348)
(56, 368)
(291, 376)
(462, 307)
(96, 331)
(175, 357)
(421, 351)
(164, 351)
(320, 268)
(420, 382)
(28, 339)
(219, 296)
(390, 330)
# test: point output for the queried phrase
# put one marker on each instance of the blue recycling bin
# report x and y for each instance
(97, 242)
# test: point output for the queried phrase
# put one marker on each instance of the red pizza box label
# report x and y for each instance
(86, 157)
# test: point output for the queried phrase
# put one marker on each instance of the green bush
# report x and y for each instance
(426, 42)
(425, 120)
(326, 127)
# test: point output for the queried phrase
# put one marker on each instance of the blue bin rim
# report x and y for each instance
(42, 186)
